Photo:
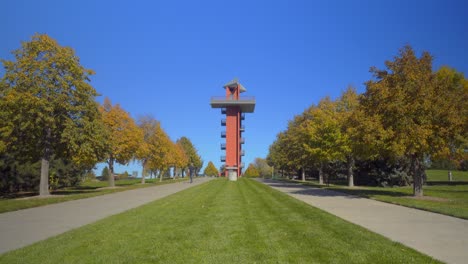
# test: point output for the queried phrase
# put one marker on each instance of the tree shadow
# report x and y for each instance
(368, 193)
(72, 192)
(451, 183)
(326, 191)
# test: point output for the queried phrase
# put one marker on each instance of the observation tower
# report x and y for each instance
(235, 108)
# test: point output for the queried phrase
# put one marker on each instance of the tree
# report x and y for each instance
(452, 122)
(262, 166)
(105, 173)
(180, 158)
(324, 140)
(211, 170)
(194, 159)
(410, 101)
(251, 171)
(48, 107)
(148, 126)
(161, 147)
(124, 136)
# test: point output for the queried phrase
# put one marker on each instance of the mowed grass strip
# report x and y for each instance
(443, 197)
(220, 222)
(85, 190)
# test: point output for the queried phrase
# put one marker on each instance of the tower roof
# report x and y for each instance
(234, 84)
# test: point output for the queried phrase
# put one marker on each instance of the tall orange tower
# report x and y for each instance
(234, 107)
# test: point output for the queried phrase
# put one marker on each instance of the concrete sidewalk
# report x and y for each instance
(24, 227)
(442, 237)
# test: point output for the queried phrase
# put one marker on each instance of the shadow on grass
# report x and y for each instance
(72, 192)
(451, 183)
(325, 191)
(18, 195)
(370, 193)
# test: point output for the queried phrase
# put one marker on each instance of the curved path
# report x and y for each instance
(24, 227)
(439, 236)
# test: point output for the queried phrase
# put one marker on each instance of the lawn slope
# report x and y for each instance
(219, 222)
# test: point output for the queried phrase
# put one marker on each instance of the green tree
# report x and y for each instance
(194, 159)
(124, 136)
(410, 101)
(48, 107)
(105, 173)
(211, 170)
(251, 171)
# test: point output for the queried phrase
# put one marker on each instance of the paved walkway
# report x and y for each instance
(440, 236)
(24, 227)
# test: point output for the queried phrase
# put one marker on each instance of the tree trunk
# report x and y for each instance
(161, 175)
(44, 181)
(303, 174)
(143, 172)
(321, 173)
(111, 172)
(417, 170)
(350, 171)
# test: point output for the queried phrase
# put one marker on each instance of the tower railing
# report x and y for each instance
(223, 134)
(223, 122)
(223, 146)
(221, 98)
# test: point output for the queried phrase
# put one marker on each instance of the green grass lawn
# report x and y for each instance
(85, 190)
(220, 222)
(442, 176)
(449, 198)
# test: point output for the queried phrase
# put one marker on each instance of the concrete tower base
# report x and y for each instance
(232, 174)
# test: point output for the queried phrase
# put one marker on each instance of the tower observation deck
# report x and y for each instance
(234, 108)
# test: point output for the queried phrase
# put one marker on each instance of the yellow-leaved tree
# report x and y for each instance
(211, 170)
(148, 125)
(423, 112)
(48, 107)
(160, 147)
(124, 136)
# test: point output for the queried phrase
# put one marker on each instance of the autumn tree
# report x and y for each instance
(410, 100)
(362, 135)
(161, 147)
(251, 171)
(148, 126)
(324, 140)
(124, 136)
(452, 119)
(48, 108)
(211, 170)
(179, 158)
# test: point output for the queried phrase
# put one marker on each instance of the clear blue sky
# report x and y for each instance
(167, 58)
